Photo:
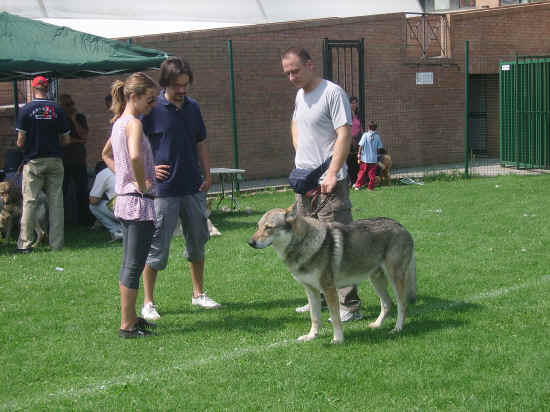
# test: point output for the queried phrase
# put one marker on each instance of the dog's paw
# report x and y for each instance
(335, 341)
(395, 330)
(306, 338)
(374, 325)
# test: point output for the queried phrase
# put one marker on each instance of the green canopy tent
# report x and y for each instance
(29, 48)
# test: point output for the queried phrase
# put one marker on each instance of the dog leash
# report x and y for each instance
(322, 204)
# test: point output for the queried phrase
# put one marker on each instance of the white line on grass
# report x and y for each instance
(136, 378)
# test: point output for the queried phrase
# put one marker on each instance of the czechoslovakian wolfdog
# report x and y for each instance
(326, 256)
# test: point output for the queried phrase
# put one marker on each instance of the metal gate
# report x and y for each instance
(344, 64)
(479, 129)
(525, 112)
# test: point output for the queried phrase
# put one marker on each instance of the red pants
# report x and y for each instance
(364, 170)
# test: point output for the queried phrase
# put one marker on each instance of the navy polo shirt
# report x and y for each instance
(174, 133)
(43, 121)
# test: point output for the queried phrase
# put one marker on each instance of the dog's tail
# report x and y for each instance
(411, 280)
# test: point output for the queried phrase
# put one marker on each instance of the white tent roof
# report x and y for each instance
(183, 15)
(229, 11)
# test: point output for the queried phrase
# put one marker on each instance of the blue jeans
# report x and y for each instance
(105, 216)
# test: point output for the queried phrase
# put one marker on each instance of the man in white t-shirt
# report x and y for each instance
(321, 127)
(103, 190)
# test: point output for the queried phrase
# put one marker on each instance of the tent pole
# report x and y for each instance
(233, 113)
(466, 108)
(15, 101)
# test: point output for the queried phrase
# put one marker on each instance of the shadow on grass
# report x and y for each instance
(100, 241)
(291, 304)
(230, 221)
(243, 316)
(251, 324)
(422, 317)
(80, 237)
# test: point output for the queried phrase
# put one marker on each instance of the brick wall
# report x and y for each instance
(420, 124)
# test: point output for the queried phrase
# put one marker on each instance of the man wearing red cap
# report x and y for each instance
(42, 128)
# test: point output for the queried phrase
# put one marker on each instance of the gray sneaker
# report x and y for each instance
(347, 316)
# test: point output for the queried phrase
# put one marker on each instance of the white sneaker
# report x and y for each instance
(302, 309)
(149, 311)
(205, 302)
(346, 316)
(307, 308)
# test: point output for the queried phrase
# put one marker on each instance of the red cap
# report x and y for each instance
(40, 81)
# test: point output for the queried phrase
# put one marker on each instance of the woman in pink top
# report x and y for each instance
(356, 133)
(129, 155)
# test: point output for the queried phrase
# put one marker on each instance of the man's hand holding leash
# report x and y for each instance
(329, 182)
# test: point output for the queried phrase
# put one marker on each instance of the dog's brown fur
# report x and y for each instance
(11, 209)
(10, 215)
(384, 178)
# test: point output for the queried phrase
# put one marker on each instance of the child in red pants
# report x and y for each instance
(368, 155)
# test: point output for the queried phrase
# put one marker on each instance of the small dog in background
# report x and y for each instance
(383, 168)
(10, 215)
(11, 209)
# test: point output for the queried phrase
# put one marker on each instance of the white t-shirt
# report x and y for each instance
(317, 115)
(104, 183)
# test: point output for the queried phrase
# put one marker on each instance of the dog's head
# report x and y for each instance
(4, 219)
(274, 226)
(4, 192)
(8, 193)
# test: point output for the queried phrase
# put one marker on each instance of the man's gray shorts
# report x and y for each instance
(192, 211)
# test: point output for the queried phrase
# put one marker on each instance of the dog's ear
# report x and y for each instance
(290, 215)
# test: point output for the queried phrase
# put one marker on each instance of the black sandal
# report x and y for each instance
(143, 324)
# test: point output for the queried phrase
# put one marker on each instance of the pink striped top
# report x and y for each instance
(130, 207)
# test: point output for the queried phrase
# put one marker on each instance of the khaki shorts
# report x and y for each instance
(192, 211)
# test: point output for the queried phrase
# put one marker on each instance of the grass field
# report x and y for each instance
(477, 338)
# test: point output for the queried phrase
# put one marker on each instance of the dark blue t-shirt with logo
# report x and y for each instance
(43, 121)
(174, 133)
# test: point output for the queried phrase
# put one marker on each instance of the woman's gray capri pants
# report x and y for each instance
(136, 241)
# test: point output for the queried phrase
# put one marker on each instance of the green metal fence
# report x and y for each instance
(524, 109)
